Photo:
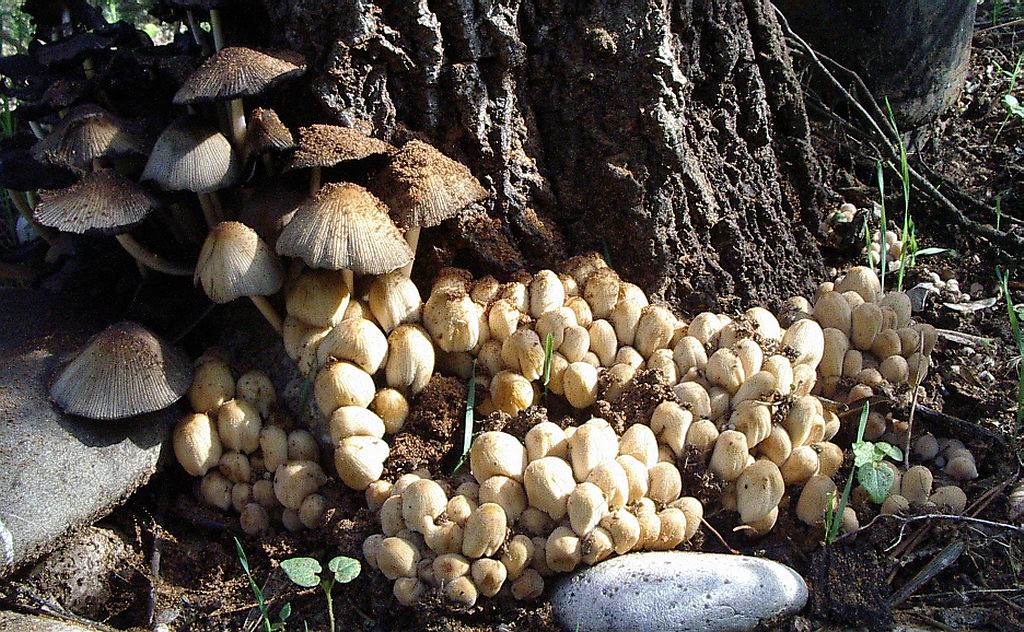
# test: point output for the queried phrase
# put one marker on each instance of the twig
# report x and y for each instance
(1013, 605)
(45, 607)
(719, 536)
(939, 563)
(906, 521)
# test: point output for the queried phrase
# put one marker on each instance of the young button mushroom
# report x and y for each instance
(123, 371)
(394, 300)
(295, 480)
(235, 262)
(197, 444)
(344, 227)
(485, 531)
(497, 454)
(356, 340)
(410, 362)
(359, 460)
(423, 187)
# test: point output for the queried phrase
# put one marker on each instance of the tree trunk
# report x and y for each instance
(669, 134)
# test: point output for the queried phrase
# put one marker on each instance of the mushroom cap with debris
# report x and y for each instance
(87, 133)
(236, 72)
(190, 155)
(235, 262)
(265, 133)
(423, 187)
(329, 145)
(101, 203)
(344, 227)
(123, 371)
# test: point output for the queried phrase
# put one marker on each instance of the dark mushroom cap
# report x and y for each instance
(102, 203)
(267, 209)
(423, 187)
(49, 13)
(123, 371)
(235, 262)
(329, 145)
(71, 49)
(20, 171)
(89, 132)
(344, 227)
(190, 155)
(265, 133)
(239, 72)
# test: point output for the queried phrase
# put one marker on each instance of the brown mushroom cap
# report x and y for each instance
(235, 72)
(89, 132)
(423, 187)
(235, 262)
(190, 155)
(328, 145)
(101, 203)
(123, 371)
(344, 227)
(265, 133)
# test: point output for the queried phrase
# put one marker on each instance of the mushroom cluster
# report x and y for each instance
(567, 497)
(247, 452)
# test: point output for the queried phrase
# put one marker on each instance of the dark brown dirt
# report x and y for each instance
(637, 404)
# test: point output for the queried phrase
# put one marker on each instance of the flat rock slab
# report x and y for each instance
(58, 472)
(14, 622)
(677, 591)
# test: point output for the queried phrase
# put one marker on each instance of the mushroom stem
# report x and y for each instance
(24, 207)
(209, 211)
(88, 68)
(193, 27)
(268, 312)
(412, 237)
(218, 33)
(215, 199)
(314, 180)
(236, 118)
(37, 131)
(150, 260)
(350, 280)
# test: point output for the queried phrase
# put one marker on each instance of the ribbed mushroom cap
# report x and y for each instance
(235, 262)
(239, 72)
(190, 155)
(89, 132)
(423, 187)
(265, 133)
(102, 203)
(123, 371)
(343, 227)
(328, 145)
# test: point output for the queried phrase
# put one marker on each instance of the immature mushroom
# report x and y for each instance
(423, 187)
(190, 155)
(329, 145)
(105, 203)
(235, 262)
(235, 72)
(88, 133)
(344, 227)
(123, 371)
(265, 134)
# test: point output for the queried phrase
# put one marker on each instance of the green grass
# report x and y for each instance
(908, 238)
(1009, 100)
(883, 226)
(834, 519)
(547, 363)
(1014, 317)
(467, 426)
(265, 619)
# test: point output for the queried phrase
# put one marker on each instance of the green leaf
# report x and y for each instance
(863, 453)
(345, 569)
(241, 555)
(1010, 101)
(928, 252)
(877, 479)
(883, 449)
(286, 611)
(547, 361)
(302, 571)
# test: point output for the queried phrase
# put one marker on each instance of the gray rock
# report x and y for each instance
(677, 591)
(58, 472)
(84, 574)
(14, 622)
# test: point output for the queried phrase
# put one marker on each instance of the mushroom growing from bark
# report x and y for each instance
(323, 146)
(423, 187)
(235, 262)
(123, 371)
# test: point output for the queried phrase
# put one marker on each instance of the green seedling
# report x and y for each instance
(467, 428)
(908, 241)
(1010, 101)
(305, 572)
(548, 342)
(269, 625)
(883, 226)
(999, 211)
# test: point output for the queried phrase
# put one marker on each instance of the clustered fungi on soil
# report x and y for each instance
(743, 400)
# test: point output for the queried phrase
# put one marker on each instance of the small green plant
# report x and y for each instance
(548, 343)
(467, 430)
(305, 572)
(883, 226)
(1010, 101)
(999, 211)
(269, 625)
(907, 247)
(1018, 337)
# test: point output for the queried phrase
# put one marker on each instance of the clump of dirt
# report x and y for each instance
(846, 585)
(698, 481)
(517, 425)
(637, 404)
(437, 410)
(410, 452)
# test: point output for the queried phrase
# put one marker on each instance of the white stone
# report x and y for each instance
(677, 591)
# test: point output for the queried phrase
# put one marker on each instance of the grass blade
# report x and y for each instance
(467, 431)
(547, 362)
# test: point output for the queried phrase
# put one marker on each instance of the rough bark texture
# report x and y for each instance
(670, 133)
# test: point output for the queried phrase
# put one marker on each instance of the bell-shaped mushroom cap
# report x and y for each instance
(239, 72)
(328, 145)
(235, 262)
(190, 155)
(123, 371)
(102, 203)
(343, 227)
(20, 171)
(89, 132)
(265, 133)
(423, 187)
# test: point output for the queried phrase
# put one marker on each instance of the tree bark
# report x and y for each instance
(669, 134)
